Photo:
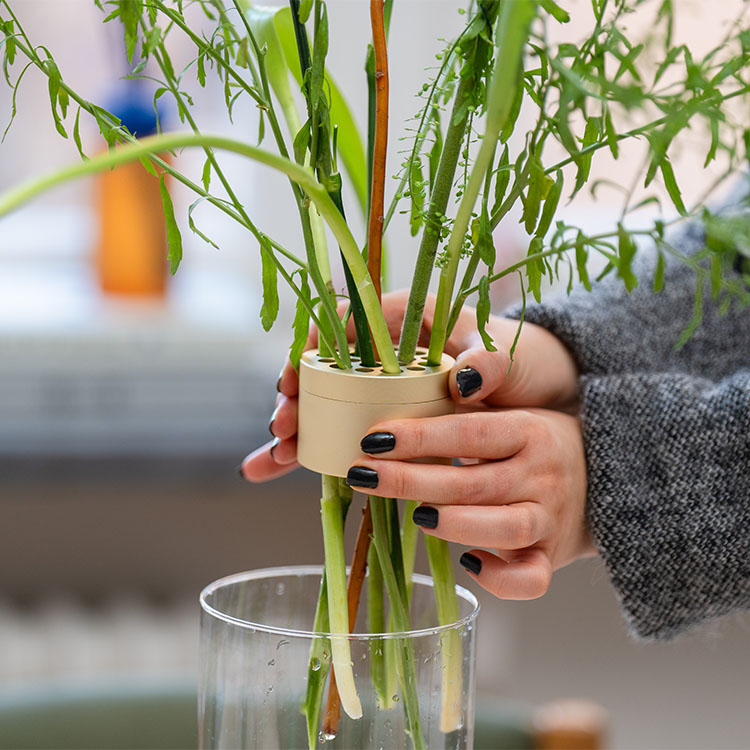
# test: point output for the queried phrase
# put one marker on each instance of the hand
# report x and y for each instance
(525, 498)
(543, 374)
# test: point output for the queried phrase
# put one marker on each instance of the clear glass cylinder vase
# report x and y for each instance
(256, 657)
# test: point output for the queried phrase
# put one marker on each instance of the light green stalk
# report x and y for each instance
(317, 672)
(300, 175)
(338, 611)
(514, 22)
(451, 659)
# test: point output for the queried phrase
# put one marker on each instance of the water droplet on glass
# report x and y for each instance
(396, 699)
(281, 643)
(272, 662)
(387, 725)
(321, 738)
(280, 589)
(330, 735)
(315, 664)
(325, 654)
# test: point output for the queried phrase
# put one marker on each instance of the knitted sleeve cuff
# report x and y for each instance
(669, 494)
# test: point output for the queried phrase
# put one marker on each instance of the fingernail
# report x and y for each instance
(359, 476)
(471, 562)
(278, 383)
(238, 471)
(272, 420)
(378, 442)
(425, 516)
(469, 381)
(275, 442)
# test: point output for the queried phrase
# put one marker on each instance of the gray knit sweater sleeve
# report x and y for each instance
(667, 440)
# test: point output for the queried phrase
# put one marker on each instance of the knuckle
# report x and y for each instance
(539, 582)
(524, 527)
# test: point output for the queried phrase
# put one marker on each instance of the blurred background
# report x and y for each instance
(122, 418)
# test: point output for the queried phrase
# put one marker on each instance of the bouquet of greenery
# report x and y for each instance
(462, 175)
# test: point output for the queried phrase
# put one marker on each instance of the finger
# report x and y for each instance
(482, 434)
(508, 527)
(284, 452)
(526, 576)
(480, 484)
(283, 423)
(260, 466)
(479, 375)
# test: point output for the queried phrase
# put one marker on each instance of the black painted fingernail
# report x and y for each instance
(378, 442)
(278, 383)
(425, 516)
(272, 420)
(275, 442)
(359, 476)
(471, 562)
(469, 381)
(238, 471)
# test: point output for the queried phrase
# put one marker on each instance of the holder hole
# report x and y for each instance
(334, 366)
(365, 369)
(354, 359)
(421, 350)
(326, 359)
(416, 368)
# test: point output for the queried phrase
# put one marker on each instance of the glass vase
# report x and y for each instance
(256, 658)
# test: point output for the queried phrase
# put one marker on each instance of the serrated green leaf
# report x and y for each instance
(583, 161)
(206, 175)
(77, 135)
(483, 314)
(671, 184)
(130, 12)
(148, 166)
(200, 70)
(626, 250)
(609, 130)
(53, 85)
(582, 256)
(270, 307)
(550, 205)
(194, 228)
(711, 155)
(174, 238)
(301, 323)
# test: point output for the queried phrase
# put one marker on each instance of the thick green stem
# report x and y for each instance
(376, 624)
(451, 659)
(400, 618)
(318, 667)
(513, 26)
(317, 193)
(338, 610)
(433, 224)
(409, 537)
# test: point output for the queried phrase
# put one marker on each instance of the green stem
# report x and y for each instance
(433, 224)
(376, 624)
(451, 660)
(338, 611)
(317, 193)
(400, 618)
(513, 26)
(318, 667)
(409, 537)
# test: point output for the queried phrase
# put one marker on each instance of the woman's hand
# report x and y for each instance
(524, 499)
(543, 375)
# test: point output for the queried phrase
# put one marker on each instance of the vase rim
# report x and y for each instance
(308, 570)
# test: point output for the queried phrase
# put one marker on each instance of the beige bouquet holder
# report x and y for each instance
(338, 407)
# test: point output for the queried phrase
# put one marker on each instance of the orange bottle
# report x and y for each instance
(131, 254)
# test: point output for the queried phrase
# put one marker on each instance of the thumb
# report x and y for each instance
(479, 375)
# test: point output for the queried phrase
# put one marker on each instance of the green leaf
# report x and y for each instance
(148, 166)
(206, 175)
(301, 323)
(130, 12)
(270, 308)
(609, 130)
(697, 318)
(192, 225)
(502, 179)
(590, 135)
(533, 193)
(555, 11)
(550, 205)
(582, 256)
(320, 50)
(174, 238)
(626, 250)
(77, 134)
(305, 7)
(658, 284)
(485, 244)
(416, 195)
(671, 185)
(535, 269)
(53, 84)
(512, 351)
(483, 314)
(515, 109)
(711, 155)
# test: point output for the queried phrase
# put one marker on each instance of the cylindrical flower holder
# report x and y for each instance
(255, 661)
(338, 407)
